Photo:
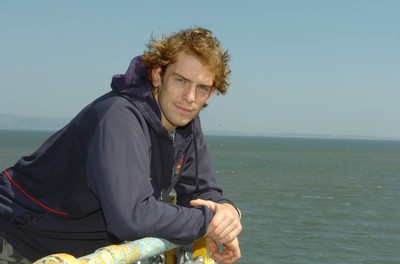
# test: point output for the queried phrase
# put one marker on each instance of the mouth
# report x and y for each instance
(184, 110)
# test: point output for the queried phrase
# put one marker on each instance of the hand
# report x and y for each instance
(224, 229)
(225, 225)
(229, 254)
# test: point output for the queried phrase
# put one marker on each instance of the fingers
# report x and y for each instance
(199, 202)
(225, 225)
(226, 232)
(224, 228)
(212, 246)
(229, 254)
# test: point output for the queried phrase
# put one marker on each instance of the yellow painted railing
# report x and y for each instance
(131, 252)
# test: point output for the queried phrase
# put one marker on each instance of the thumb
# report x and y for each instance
(199, 202)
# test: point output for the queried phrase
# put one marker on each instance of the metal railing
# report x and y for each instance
(135, 252)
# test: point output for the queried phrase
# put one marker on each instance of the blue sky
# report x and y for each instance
(298, 67)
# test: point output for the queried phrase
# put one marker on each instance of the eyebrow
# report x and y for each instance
(188, 80)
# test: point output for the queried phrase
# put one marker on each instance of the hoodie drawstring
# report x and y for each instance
(196, 164)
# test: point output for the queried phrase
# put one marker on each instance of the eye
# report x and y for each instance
(204, 88)
(180, 81)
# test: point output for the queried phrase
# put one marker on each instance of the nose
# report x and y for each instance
(189, 94)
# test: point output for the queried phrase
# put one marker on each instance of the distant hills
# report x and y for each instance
(8, 121)
(17, 122)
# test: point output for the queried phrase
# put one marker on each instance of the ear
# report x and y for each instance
(156, 76)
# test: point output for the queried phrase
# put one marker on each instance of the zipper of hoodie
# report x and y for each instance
(176, 170)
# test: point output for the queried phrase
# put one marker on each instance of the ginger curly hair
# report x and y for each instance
(197, 41)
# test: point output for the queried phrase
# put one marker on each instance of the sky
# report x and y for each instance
(298, 67)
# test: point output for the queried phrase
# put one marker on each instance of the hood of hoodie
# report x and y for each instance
(134, 84)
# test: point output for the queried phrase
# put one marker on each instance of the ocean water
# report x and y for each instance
(302, 200)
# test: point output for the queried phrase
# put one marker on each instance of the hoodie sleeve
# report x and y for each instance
(118, 169)
(197, 180)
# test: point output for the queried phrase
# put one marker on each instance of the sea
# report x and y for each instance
(303, 200)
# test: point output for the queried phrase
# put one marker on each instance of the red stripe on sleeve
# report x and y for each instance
(31, 198)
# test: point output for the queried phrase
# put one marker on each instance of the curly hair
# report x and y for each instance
(197, 41)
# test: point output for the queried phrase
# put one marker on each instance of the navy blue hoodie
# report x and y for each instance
(103, 177)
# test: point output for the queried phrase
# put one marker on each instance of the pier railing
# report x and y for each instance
(135, 252)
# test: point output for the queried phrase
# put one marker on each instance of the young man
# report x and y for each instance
(104, 178)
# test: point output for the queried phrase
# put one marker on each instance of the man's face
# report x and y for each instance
(183, 90)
